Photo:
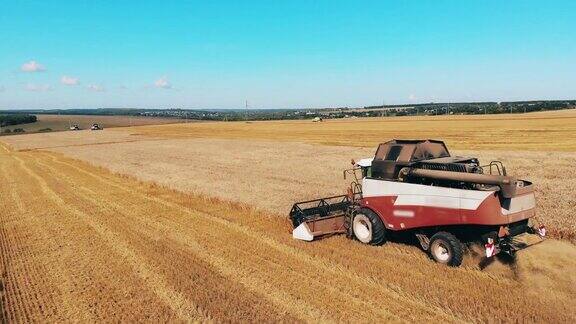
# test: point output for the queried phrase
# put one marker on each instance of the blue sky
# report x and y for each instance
(283, 54)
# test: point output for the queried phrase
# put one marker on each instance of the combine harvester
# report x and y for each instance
(96, 127)
(416, 187)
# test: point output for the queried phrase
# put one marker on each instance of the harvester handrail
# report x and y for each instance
(495, 164)
(319, 199)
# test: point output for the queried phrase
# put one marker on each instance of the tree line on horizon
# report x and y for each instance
(27, 116)
(16, 119)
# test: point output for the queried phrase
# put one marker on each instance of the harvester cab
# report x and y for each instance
(416, 187)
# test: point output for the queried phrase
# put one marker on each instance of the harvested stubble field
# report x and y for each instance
(201, 237)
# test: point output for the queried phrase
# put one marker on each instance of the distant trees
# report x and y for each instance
(470, 108)
(16, 119)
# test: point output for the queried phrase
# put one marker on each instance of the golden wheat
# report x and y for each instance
(80, 243)
(542, 131)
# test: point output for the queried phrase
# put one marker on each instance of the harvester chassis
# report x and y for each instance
(333, 215)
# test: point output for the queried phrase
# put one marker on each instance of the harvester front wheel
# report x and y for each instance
(447, 249)
(368, 228)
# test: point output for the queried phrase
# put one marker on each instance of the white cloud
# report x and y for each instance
(412, 97)
(69, 81)
(163, 83)
(95, 87)
(32, 66)
(38, 87)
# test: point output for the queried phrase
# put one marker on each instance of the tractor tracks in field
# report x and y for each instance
(73, 266)
(175, 301)
(337, 273)
(239, 249)
(136, 221)
(66, 197)
(29, 261)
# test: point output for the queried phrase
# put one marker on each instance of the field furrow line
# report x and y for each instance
(4, 263)
(48, 257)
(10, 299)
(182, 307)
(19, 269)
(137, 222)
(18, 305)
(131, 224)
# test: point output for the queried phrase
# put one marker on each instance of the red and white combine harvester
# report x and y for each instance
(416, 187)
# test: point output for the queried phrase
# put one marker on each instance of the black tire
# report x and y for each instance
(446, 248)
(368, 228)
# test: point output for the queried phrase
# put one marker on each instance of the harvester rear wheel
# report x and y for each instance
(368, 228)
(447, 249)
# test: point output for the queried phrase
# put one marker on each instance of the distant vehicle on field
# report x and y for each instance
(74, 127)
(96, 127)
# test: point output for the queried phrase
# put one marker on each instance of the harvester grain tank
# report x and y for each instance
(416, 187)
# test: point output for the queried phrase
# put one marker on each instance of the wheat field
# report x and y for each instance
(79, 243)
(539, 131)
(272, 176)
(161, 224)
